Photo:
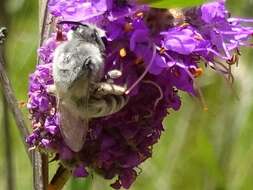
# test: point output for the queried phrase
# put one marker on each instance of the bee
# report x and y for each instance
(78, 68)
(161, 19)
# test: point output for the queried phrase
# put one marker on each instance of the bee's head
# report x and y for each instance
(86, 32)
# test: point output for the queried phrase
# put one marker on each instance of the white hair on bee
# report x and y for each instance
(78, 68)
(114, 74)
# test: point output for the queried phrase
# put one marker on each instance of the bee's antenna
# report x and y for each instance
(71, 22)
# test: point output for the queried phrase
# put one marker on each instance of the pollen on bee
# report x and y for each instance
(122, 52)
(128, 27)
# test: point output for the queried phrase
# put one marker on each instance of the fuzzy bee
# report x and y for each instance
(78, 67)
(161, 19)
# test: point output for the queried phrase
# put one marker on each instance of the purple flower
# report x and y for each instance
(46, 51)
(154, 66)
(214, 11)
(180, 40)
(127, 178)
(51, 125)
(80, 171)
(75, 10)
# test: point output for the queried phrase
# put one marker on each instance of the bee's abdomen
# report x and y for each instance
(106, 106)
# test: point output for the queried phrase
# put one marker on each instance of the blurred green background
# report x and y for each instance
(199, 150)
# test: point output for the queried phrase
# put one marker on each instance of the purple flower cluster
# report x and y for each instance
(156, 60)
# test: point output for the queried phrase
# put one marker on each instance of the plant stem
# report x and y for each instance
(60, 178)
(8, 148)
(45, 21)
(10, 173)
(40, 160)
(40, 171)
(12, 101)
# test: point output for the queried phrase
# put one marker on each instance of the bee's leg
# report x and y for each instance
(51, 89)
(106, 105)
(105, 88)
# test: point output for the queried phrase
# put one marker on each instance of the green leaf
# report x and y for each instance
(173, 3)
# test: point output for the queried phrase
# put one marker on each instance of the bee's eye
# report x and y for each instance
(74, 28)
(93, 36)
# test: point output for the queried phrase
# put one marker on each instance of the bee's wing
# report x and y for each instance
(73, 128)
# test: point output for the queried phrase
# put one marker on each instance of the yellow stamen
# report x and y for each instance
(21, 104)
(175, 72)
(198, 37)
(128, 27)
(199, 72)
(233, 60)
(140, 14)
(162, 50)
(185, 24)
(122, 52)
(196, 72)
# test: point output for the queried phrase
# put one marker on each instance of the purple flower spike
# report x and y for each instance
(154, 66)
